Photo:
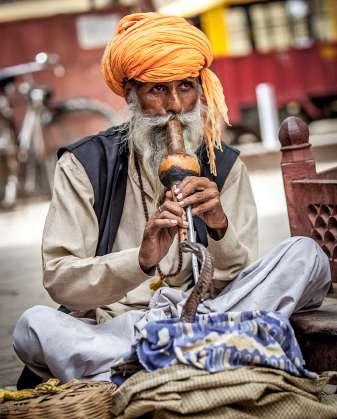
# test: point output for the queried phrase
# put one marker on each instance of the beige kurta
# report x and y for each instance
(77, 279)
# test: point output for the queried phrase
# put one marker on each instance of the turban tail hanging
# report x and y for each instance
(150, 47)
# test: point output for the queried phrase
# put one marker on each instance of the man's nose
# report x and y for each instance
(174, 103)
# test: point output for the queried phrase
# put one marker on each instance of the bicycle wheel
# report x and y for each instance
(68, 121)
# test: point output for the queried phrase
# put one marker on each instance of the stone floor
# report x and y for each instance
(20, 276)
(20, 237)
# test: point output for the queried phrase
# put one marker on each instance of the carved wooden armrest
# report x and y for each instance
(311, 197)
(329, 174)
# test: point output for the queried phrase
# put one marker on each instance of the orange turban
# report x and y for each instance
(150, 47)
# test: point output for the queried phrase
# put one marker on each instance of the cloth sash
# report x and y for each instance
(219, 342)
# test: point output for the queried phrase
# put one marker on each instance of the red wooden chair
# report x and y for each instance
(312, 210)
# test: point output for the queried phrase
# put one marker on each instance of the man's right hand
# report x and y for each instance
(159, 233)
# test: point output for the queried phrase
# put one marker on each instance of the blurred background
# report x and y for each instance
(273, 58)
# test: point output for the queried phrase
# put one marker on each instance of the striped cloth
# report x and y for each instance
(218, 342)
(240, 393)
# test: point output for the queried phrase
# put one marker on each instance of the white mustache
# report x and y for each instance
(161, 121)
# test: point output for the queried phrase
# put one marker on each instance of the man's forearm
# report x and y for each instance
(81, 284)
(218, 232)
(229, 253)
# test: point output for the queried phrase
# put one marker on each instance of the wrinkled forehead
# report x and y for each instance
(140, 86)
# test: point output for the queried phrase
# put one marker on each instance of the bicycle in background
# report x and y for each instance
(28, 155)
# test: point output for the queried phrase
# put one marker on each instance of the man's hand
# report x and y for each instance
(159, 233)
(203, 195)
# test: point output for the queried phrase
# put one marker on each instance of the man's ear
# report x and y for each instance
(127, 90)
(202, 96)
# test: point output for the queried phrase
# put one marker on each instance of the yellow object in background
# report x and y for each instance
(328, 52)
(214, 25)
(332, 13)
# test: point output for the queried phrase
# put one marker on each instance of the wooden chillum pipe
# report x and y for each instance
(174, 167)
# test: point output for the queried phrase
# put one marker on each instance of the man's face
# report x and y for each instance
(151, 106)
(160, 99)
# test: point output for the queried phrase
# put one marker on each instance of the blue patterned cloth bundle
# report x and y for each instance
(216, 342)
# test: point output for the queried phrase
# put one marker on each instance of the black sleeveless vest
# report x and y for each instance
(105, 159)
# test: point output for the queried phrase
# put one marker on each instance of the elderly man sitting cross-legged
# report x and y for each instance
(110, 243)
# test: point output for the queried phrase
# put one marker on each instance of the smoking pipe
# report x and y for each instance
(174, 167)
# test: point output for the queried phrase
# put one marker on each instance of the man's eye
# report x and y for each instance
(159, 88)
(186, 85)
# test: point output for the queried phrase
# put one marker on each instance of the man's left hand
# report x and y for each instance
(203, 195)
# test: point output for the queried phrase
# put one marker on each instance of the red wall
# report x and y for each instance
(21, 40)
(296, 74)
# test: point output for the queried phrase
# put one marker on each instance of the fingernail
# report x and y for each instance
(185, 224)
(173, 221)
(176, 190)
(180, 196)
(181, 203)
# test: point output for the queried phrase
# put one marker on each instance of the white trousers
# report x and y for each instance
(292, 277)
